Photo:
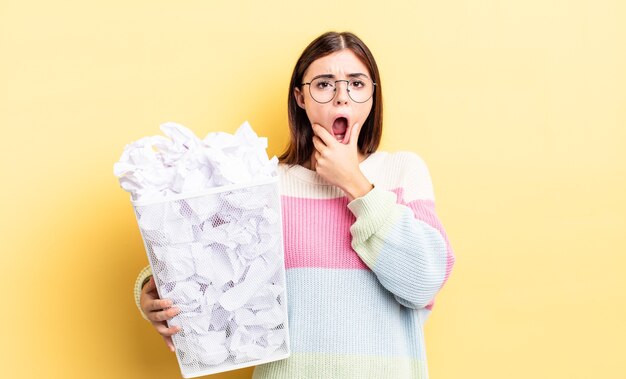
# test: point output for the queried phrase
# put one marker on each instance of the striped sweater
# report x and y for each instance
(361, 275)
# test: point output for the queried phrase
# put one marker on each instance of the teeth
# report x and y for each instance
(340, 137)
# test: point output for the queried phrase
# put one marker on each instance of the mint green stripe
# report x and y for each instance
(317, 365)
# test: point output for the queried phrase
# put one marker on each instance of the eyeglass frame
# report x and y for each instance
(335, 90)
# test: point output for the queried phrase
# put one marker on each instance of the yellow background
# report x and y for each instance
(518, 107)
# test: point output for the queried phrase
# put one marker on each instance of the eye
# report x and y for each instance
(357, 84)
(323, 84)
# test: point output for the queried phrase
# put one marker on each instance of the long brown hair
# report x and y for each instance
(300, 145)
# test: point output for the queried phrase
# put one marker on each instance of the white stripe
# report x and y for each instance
(387, 171)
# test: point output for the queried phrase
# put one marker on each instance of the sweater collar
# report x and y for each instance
(310, 176)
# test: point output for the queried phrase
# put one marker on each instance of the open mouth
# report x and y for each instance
(340, 128)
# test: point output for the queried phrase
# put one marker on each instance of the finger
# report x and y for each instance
(159, 304)
(164, 330)
(169, 342)
(318, 144)
(354, 134)
(163, 315)
(322, 133)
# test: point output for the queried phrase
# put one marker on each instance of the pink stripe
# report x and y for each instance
(424, 210)
(317, 234)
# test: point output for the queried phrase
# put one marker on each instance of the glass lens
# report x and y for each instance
(359, 89)
(322, 90)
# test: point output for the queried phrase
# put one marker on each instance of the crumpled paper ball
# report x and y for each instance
(156, 167)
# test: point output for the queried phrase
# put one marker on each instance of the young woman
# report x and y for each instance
(365, 253)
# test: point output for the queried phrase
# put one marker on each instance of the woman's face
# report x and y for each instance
(339, 115)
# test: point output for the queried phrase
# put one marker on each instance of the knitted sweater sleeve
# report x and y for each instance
(145, 273)
(401, 241)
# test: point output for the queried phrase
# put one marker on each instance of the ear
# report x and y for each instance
(299, 97)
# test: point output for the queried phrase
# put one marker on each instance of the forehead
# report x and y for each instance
(340, 64)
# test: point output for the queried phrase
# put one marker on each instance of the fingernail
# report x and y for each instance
(168, 303)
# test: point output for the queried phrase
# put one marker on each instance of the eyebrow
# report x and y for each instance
(331, 76)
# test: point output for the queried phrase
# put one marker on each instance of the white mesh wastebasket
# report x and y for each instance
(219, 256)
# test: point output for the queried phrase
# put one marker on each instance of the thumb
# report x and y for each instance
(150, 286)
(354, 134)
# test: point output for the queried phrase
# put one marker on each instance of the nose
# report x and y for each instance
(341, 95)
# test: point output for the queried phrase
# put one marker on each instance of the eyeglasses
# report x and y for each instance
(323, 90)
